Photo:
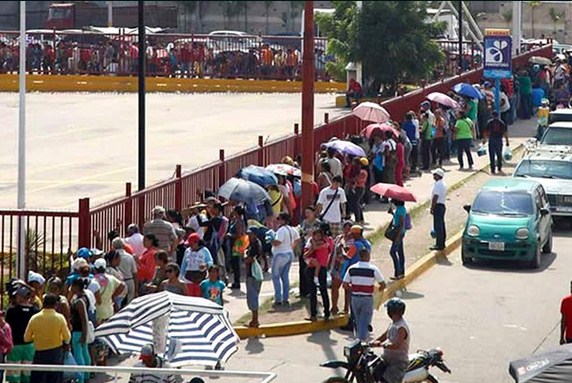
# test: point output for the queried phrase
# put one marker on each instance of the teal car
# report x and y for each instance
(509, 220)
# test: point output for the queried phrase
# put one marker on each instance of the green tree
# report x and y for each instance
(533, 5)
(230, 9)
(391, 38)
(507, 17)
(555, 16)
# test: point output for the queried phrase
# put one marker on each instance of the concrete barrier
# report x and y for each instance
(78, 83)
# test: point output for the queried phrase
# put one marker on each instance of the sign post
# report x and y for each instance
(498, 58)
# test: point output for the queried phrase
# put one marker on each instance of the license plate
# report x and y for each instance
(496, 246)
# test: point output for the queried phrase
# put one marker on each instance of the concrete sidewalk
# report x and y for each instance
(376, 216)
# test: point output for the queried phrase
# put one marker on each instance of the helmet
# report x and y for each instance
(395, 306)
(84, 253)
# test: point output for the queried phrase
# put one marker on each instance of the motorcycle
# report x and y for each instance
(364, 366)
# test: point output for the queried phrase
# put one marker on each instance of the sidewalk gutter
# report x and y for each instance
(421, 266)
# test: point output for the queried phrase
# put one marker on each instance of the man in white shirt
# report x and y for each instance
(331, 205)
(135, 240)
(438, 198)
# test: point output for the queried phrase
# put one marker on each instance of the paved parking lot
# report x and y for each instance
(81, 145)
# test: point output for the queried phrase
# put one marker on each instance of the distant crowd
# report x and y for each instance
(177, 58)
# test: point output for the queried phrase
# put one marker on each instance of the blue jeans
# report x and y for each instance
(362, 309)
(80, 353)
(281, 264)
(495, 150)
(398, 257)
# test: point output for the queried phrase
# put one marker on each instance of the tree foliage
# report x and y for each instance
(391, 38)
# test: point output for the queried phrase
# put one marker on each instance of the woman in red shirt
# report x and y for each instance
(146, 264)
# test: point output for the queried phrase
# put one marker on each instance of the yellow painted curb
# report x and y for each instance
(77, 83)
(291, 328)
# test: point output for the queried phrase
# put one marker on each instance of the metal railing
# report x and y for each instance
(266, 377)
(168, 55)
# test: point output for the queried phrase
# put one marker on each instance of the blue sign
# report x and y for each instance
(498, 56)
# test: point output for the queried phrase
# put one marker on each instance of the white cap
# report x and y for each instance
(440, 172)
(35, 277)
(100, 264)
(78, 263)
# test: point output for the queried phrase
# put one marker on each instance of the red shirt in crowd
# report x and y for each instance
(147, 265)
(566, 309)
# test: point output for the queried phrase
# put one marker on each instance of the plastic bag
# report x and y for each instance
(70, 361)
(257, 272)
(507, 153)
(408, 223)
(481, 151)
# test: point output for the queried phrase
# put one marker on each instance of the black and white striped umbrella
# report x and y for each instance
(198, 331)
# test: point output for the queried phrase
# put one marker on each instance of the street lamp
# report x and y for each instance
(141, 94)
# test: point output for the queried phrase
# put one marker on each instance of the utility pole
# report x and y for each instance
(21, 264)
(110, 13)
(141, 93)
(308, 106)
(460, 70)
(516, 26)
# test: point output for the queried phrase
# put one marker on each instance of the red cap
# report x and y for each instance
(193, 238)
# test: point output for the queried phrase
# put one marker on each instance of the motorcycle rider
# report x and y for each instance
(395, 342)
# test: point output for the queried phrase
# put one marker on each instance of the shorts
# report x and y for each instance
(20, 354)
(252, 293)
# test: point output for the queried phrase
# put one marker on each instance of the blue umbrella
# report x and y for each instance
(467, 90)
(240, 190)
(258, 175)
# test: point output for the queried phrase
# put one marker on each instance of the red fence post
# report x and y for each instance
(141, 211)
(178, 189)
(84, 224)
(128, 205)
(260, 150)
(222, 169)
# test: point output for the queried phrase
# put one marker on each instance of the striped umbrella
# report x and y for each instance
(198, 331)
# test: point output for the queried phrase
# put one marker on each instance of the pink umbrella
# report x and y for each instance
(443, 99)
(394, 192)
(374, 129)
(370, 111)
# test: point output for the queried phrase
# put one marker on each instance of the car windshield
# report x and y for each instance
(502, 203)
(557, 136)
(545, 169)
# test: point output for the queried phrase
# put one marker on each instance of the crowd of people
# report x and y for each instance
(200, 57)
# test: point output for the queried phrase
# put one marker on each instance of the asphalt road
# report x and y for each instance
(482, 317)
(85, 145)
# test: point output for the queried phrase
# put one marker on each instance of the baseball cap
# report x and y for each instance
(193, 238)
(347, 223)
(356, 229)
(147, 351)
(36, 277)
(22, 291)
(440, 172)
(84, 252)
(100, 264)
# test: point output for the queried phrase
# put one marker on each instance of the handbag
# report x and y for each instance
(256, 270)
(408, 224)
(90, 337)
(391, 232)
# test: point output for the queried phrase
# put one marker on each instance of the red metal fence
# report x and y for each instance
(68, 230)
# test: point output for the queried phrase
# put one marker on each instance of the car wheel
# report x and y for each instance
(535, 262)
(464, 259)
(547, 248)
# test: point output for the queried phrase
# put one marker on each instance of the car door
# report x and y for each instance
(544, 221)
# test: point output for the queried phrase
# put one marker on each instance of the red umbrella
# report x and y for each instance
(394, 192)
(380, 129)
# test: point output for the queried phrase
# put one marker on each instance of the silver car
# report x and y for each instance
(553, 169)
